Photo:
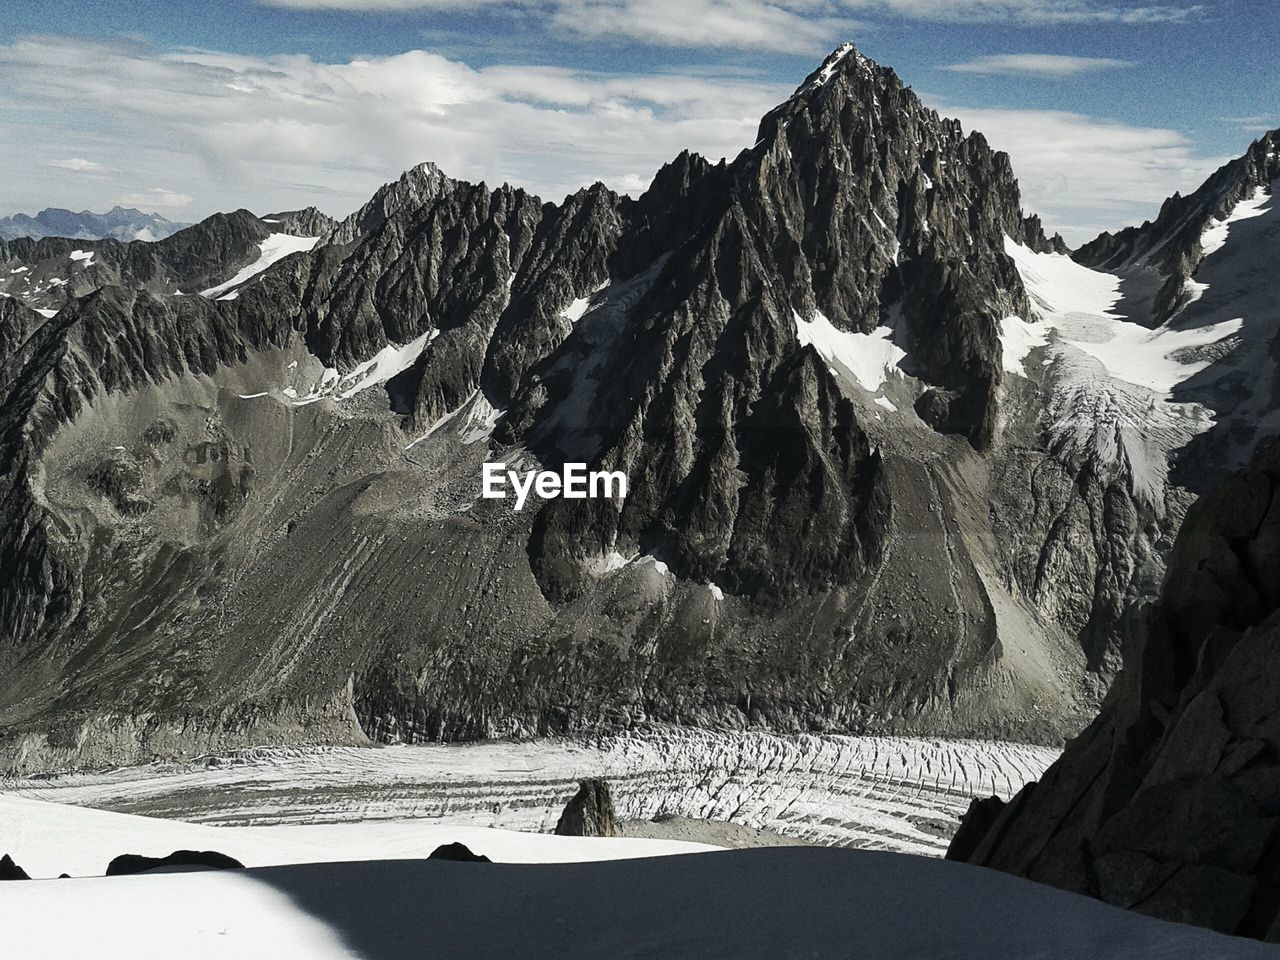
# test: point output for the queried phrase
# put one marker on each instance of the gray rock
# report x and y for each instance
(459, 852)
(131, 863)
(10, 870)
(589, 813)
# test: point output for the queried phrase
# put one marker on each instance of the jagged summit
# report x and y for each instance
(818, 362)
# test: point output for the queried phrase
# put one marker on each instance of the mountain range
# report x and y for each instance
(119, 223)
(899, 461)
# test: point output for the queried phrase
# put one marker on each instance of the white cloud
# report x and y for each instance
(77, 164)
(376, 6)
(1085, 175)
(1037, 65)
(156, 199)
(282, 132)
(793, 26)
(1262, 123)
(796, 26)
(275, 132)
(1036, 11)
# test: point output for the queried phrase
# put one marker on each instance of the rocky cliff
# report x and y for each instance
(1169, 804)
(829, 368)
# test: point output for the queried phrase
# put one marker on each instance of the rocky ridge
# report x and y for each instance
(257, 519)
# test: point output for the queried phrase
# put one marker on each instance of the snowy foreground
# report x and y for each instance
(888, 793)
(737, 905)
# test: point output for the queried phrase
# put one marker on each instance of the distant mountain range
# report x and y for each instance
(119, 223)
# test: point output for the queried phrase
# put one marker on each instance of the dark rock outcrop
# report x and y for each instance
(307, 222)
(459, 852)
(589, 813)
(130, 863)
(1169, 803)
(974, 827)
(10, 870)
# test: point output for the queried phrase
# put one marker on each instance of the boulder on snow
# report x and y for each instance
(974, 826)
(589, 813)
(129, 863)
(459, 852)
(10, 870)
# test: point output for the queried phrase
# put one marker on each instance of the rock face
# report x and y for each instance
(258, 519)
(589, 813)
(10, 870)
(459, 852)
(1169, 803)
(48, 273)
(130, 863)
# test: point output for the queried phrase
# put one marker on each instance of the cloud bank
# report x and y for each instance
(1051, 66)
(194, 131)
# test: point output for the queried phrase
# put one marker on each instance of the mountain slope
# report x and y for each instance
(822, 365)
(47, 273)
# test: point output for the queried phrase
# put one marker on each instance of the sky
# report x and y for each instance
(187, 107)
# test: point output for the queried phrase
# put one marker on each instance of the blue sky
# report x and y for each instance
(187, 107)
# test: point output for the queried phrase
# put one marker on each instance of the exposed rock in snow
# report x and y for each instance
(589, 813)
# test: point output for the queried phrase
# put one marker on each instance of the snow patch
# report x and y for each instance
(869, 358)
(482, 418)
(1017, 339)
(272, 250)
(384, 365)
(832, 64)
(1217, 233)
(885, 403)
(607, 563)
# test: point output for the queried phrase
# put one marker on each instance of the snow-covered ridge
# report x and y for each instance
(48, 839)
(272, 250)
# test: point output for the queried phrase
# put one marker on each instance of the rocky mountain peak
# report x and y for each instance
(414, 188)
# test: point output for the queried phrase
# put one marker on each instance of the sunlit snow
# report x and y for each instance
(272, 250)
(869, 358)
(1113, 378)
